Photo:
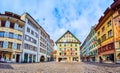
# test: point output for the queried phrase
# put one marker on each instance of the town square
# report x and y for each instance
(60, 36)
(60, 67)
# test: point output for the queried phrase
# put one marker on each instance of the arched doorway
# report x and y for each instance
(42, 59)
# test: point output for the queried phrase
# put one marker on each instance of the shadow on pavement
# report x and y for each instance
(5, 66)
(103, 64)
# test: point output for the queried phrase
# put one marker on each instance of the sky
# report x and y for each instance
(58, 16)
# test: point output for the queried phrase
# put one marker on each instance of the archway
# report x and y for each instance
(42, 59)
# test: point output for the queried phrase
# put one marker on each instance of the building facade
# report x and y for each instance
(22, 39)
(30, 40)
(36, 41)
(116, 28)
(44, 51)
(83, 51)
(107, 32)
(68, 48)
(93, 53)
(105, 37)
(11, 35)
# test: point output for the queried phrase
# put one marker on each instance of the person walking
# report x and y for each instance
(101, 60)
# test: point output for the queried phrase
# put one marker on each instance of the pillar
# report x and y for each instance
(28, 58)
(32, 58)
(78, 58)
(20, 57)
(56, 59)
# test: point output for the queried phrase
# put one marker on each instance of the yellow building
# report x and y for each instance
(11, 33)
(108, 34)
(116, 26)
(104, 31)
(68, 48)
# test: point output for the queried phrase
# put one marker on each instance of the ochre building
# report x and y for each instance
(11, 35)
(68, 48)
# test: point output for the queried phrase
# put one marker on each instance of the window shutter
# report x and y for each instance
(5, 44)
(16, 26)
(14, 45)
(7, 24)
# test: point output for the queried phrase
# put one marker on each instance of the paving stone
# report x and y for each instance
(63, 67)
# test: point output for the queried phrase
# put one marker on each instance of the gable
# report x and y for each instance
(68, 37)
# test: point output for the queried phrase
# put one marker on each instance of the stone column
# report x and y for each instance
(56, 59)
(28, 58)
(32, 58)
(20, 58)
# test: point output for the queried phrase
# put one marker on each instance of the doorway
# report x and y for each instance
(17, 58)
(42, 59)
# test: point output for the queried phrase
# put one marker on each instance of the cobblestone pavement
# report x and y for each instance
(54, 67)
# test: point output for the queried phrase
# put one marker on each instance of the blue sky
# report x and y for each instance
(58, 16)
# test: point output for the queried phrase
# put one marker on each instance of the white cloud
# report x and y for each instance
(75, 15)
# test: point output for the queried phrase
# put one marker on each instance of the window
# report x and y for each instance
(60, 53)
(34, 41)
(1, 43)
(11, 25)
(13, 56)
(75, 53)
(60, 44)
(64, 44)
(109, 23)
(64, 53)
(10, 35)
(18, 46)
(36, 35)
(60, 49)
(103, 29)
(2, 23)
(19, 27)
(64, 49)
(71, 49)
(9, 44)
(75, 44)
(71, 44)
(27, 38)
(104, 37)
(110, 33)
(32, 32)
(19, 37)
(2, 33)
(98, 33)
(75, 49)
(99, 41)
(28, 29)
(26, 46)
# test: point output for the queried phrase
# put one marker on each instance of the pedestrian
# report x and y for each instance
(100, 58)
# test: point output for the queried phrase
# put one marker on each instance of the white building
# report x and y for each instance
(36, 42)
(30, 41)
(42, 55)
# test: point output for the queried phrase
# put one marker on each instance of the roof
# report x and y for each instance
(65, 33)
